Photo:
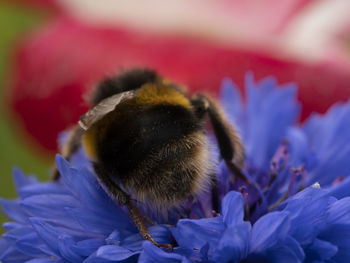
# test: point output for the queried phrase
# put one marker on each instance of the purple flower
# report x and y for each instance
(298, 211)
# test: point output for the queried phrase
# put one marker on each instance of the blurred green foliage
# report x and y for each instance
(15, 22)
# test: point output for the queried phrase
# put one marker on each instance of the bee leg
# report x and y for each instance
(140, 224)
(123, 198)
(230, 145)
(215, 203)
(69, 148)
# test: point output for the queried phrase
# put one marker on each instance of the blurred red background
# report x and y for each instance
(84, 41)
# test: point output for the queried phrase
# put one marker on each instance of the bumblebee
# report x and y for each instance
(147, 141)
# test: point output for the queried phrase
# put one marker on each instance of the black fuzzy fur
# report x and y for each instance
(136, 137)
(127, 81)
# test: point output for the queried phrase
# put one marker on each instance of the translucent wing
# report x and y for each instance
(102, 108)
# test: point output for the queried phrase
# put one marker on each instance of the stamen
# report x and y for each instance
(292, 181)
(338, 180)
(278, 163)
(215, 214)
(273, 177)
(244, 192)
(303, 173)
(296, 172)
(279, 201)
(279, 160)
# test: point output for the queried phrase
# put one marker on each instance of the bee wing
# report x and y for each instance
(102, 108)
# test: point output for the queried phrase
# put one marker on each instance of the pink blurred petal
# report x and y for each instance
(57, 66)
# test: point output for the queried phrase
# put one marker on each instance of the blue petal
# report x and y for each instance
(185, 260)
(275, 191)
(11, 255)
(308, 213)
(233, 245)
(151, 253)
(223, 176)
(320, 250)
(191, 254)
(338, 235)
(269, 230)
(196, 233)
(93, 222)
(266, 126)
(32, 245)
(115, 237)
(42, 188)
(84, 186)
(21, 180)
(321, 129)
(51, 207)
(17, 233)
(93, 259)
(231, 100)
(88, 246)
(204, 251)
(115, 253)
(288, 251)
(65, 246)
(4, 244)
(339, 212)
(47, 233)
(329, 136)
(340, 190)
(14, 211)
(232, 209)
(77, 233)
(161, 234)
(45, 260)
(11, 225)
(299, 152)
(133, 242)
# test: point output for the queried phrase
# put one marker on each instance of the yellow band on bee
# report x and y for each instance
(89, 144)
(153, 94)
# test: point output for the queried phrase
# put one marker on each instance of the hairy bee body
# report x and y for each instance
(154, 145)
(147, 141)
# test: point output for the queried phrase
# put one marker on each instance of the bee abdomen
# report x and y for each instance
(173, 172)
(137, 132)
(158, 152)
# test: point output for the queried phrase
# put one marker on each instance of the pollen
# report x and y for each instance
(316, 185)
